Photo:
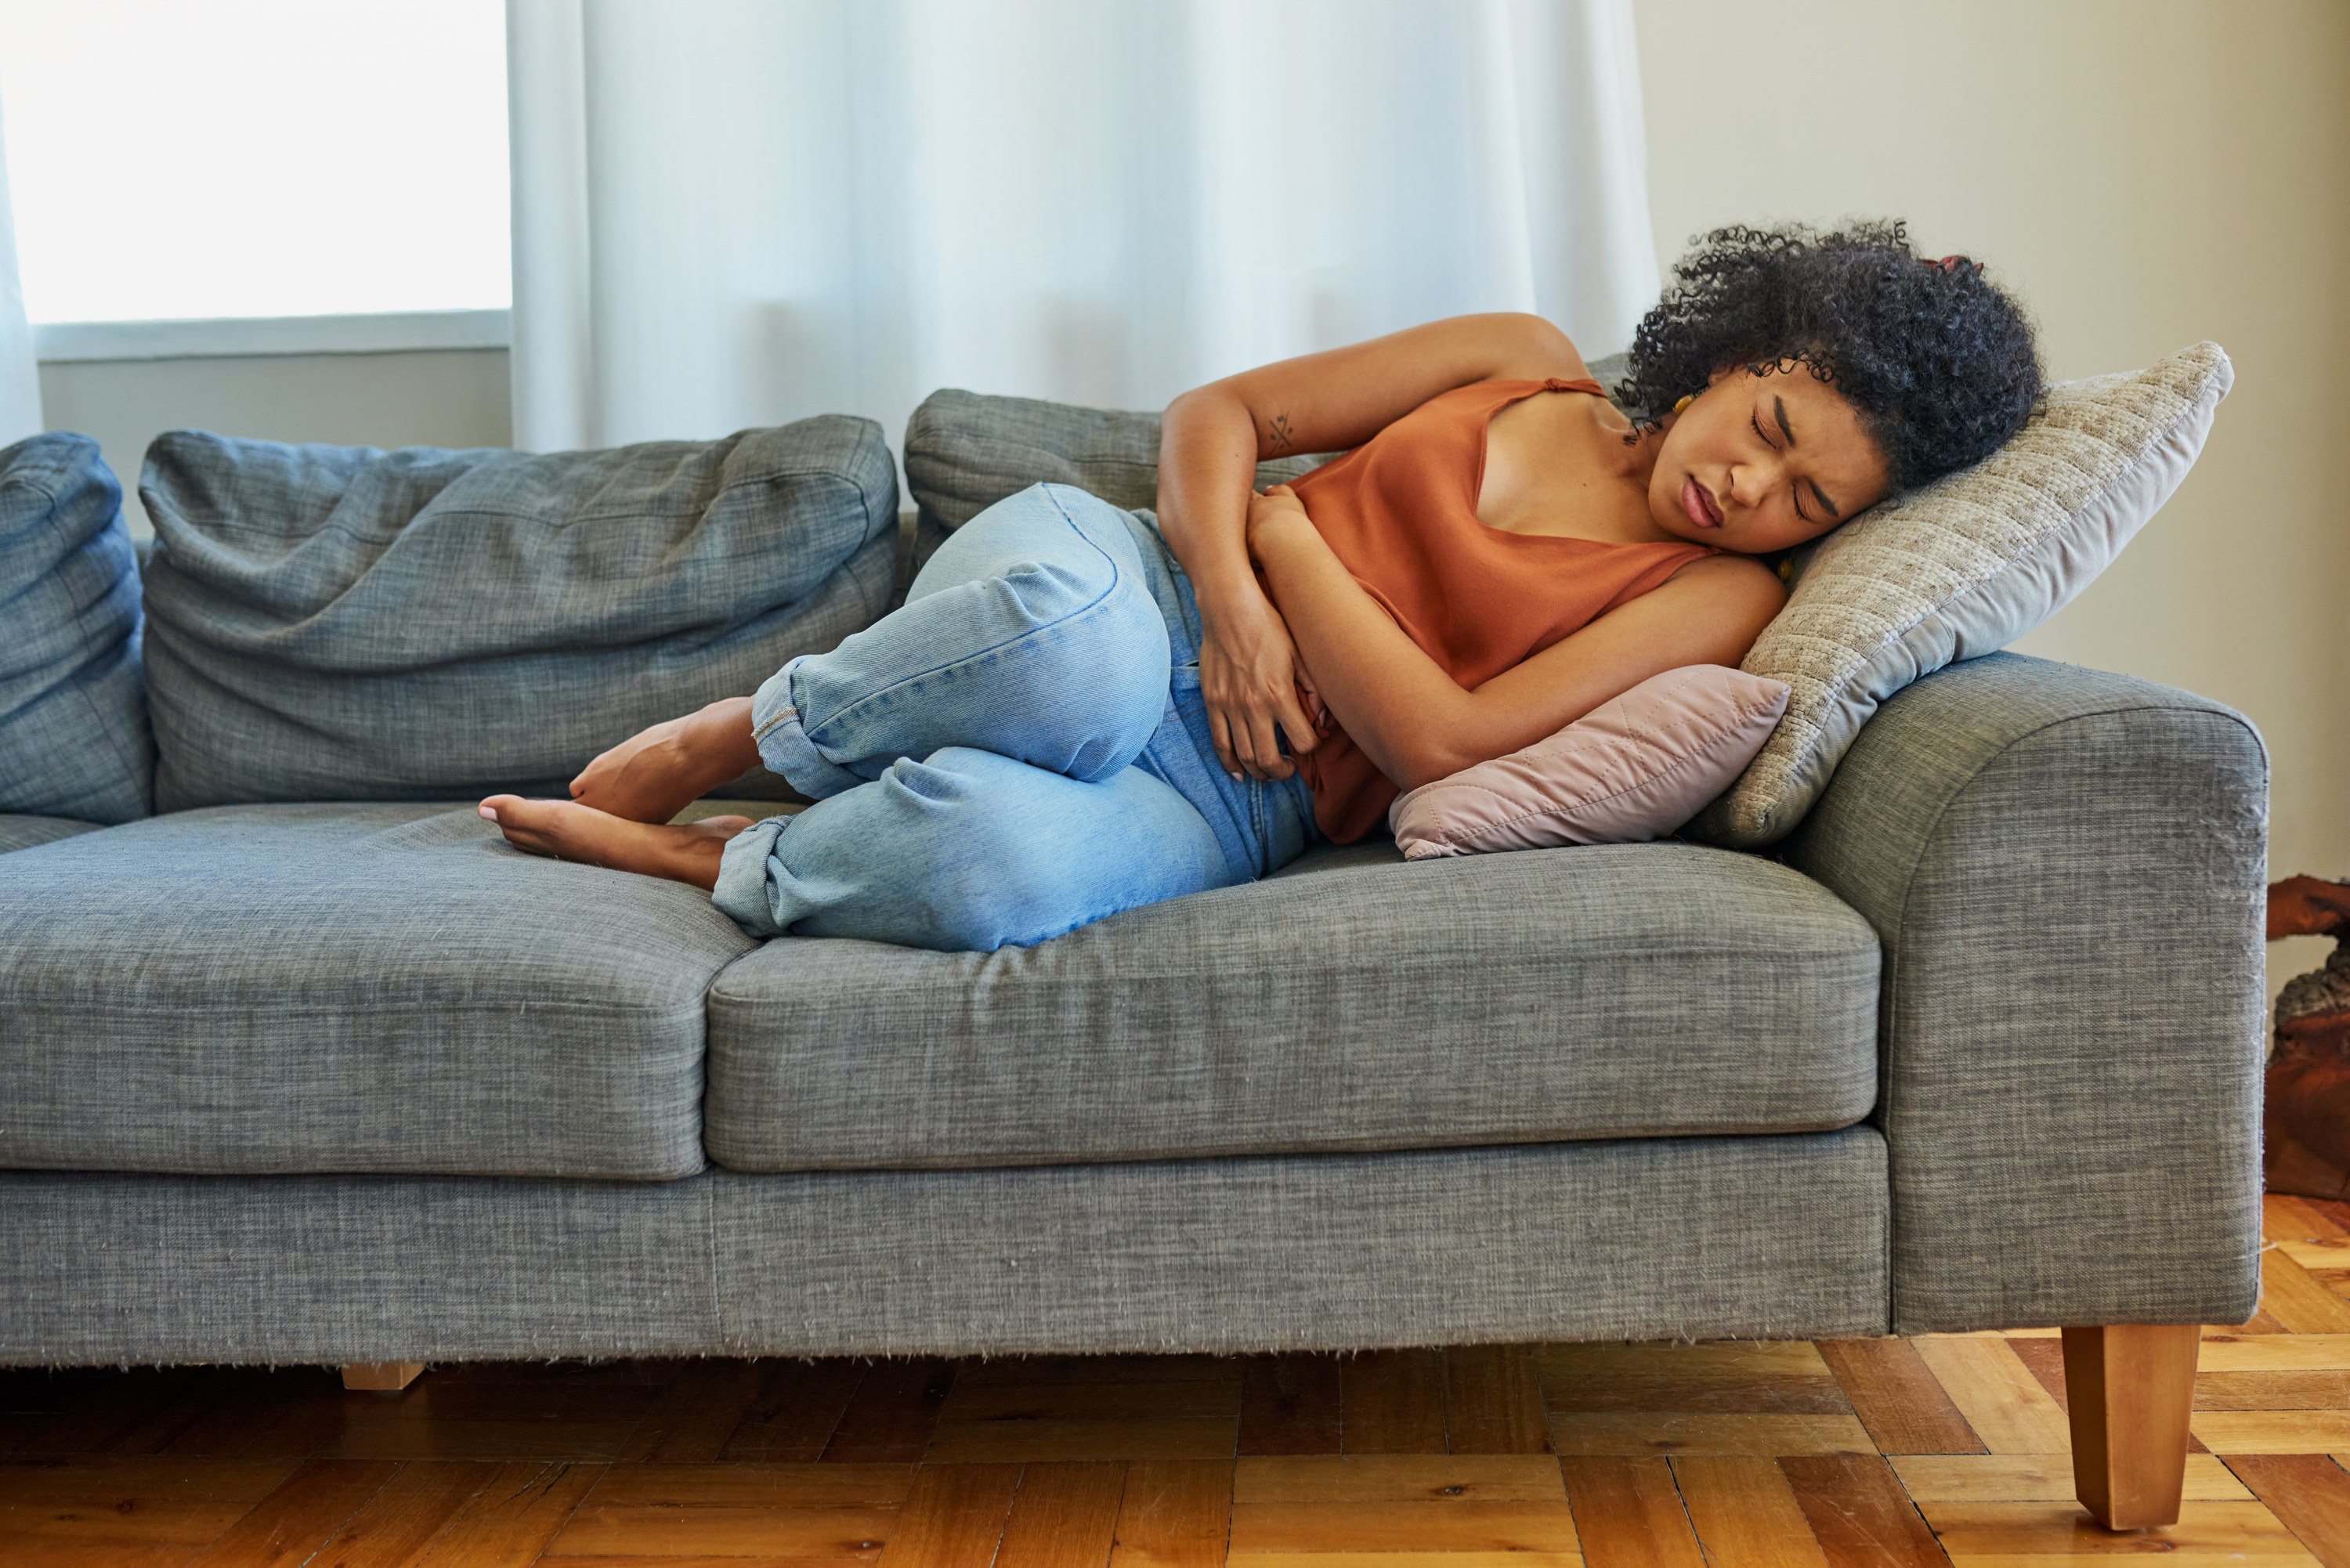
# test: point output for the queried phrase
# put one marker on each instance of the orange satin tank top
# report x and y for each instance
(1401, 512)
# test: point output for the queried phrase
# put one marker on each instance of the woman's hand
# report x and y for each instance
(1250, 677)
(1277, 508)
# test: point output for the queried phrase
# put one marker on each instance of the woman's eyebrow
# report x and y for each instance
(1823, 500)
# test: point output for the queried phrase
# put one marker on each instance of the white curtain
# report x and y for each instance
(741, 211)
(20, 379)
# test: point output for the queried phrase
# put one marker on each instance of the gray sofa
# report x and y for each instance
(348, 1080)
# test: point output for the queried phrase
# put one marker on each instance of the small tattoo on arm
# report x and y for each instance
(1277, 433)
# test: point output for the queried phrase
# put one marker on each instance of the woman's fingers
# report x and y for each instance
(1270, 765)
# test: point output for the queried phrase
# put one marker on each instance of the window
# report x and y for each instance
(191, 158)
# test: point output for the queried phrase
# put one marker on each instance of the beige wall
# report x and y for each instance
(2143, 174)
(453, 398)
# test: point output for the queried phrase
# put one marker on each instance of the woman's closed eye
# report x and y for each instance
(1795, 495)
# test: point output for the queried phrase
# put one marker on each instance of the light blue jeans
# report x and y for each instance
(1020, 750)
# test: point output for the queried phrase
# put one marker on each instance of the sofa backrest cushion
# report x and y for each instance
(966, 452)
(74, 741)
(344, 623)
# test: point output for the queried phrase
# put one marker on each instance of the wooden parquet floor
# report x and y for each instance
(1938, 1450)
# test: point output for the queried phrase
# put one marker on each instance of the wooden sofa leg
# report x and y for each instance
(387, 1376)
(2130, 1389)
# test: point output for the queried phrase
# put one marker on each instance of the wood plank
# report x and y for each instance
(1392, 1402)
(369, 1435)
(61, 1531)
(1064, 1516)
(2000, 1400)
(287, 1412)
(1174, 1514)
(1668, 1434)
(2272, 1390)
(1745, 1513)
(954, 1517)
(1672, 1359)
(1186, 1401)
(1627, 1513)
(979, 1372)
(891, 1415)
(92, 1408)
(733, 1560)
(1398, 1478)
(2273, 1431)
(760, 1485)
(2309, 1492)
(115, 1482)
(391, 1528)
(2319, 1254)
(1042, 1441)
(2302, 1304)
(1449, 1525)
(2286, 1218)
(2017, 1477)
(1734, 1394)
(1493, 1403)
(1858, 1512)
(301, 1515)
(746, 1531)
(1404, 1560)
(694, 1415)
(2274, 1352)
(514, 1518)
(1290, 1405)
(578, 1403)
(1969, 1529)
(164, 1423)
(1897, 1398)
(796, 1411)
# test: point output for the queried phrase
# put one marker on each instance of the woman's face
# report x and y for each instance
(1761, 463)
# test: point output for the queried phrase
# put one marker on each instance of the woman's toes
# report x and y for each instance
(528, 825)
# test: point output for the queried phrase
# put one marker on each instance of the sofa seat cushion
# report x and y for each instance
(352, 988)
(1354, 1003)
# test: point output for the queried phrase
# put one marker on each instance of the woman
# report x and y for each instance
(1074, 713)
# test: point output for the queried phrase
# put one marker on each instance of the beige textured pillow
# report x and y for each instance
(1634, 768)
(1961, 568)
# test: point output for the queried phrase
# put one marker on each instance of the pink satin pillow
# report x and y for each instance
(1632, 769)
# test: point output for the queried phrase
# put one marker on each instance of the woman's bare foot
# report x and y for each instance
(655, 774)
(569, 831)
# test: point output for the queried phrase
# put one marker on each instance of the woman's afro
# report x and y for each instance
(1939, 363)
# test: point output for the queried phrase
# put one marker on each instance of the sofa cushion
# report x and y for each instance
(341, 623)
(348, 988)
(1357, 1003)
(24, 832)
(965, 451)
(74, 739)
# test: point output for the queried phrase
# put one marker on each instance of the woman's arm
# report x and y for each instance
(1210, 444)
(1417, 723)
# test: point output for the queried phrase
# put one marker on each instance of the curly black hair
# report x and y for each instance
(1939, 363)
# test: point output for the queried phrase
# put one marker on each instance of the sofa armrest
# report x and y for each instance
(2065, 868)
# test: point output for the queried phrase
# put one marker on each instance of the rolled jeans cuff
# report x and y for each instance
(783, 746)
(741, 891)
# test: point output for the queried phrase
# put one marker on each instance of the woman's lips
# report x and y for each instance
(1699, 504)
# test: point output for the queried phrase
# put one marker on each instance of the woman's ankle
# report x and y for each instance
(717, 737)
